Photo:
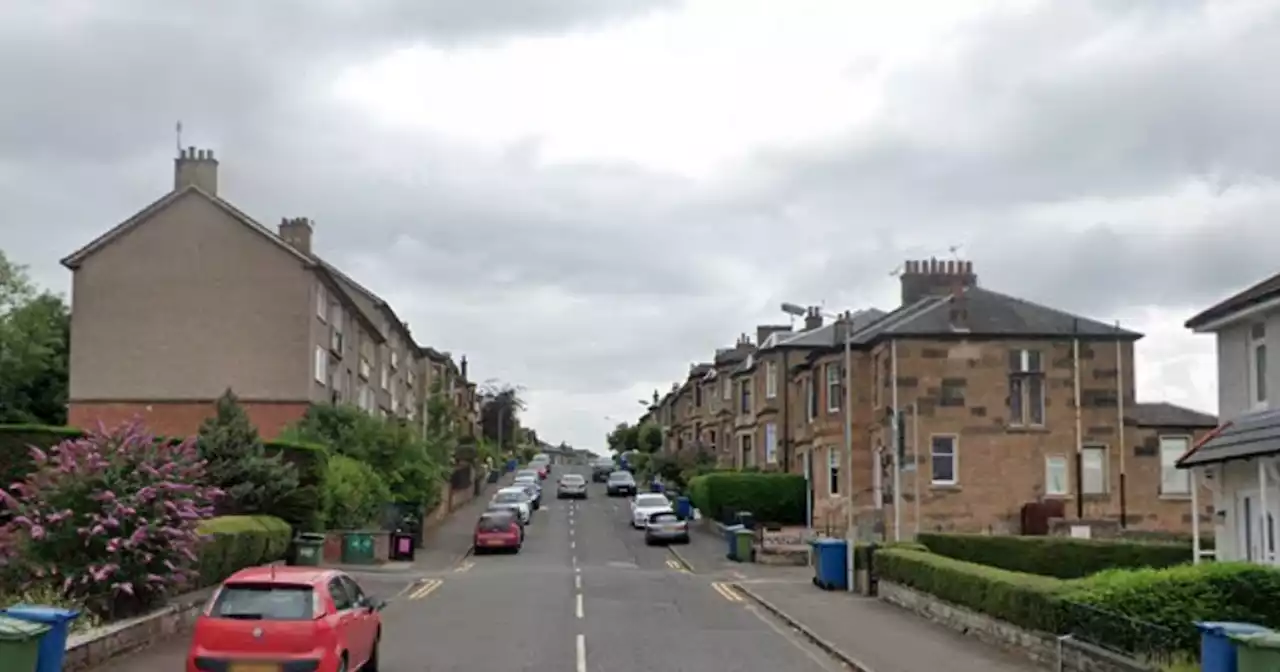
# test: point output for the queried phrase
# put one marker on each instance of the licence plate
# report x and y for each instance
(672, 527)
(253, 667)
(491, 542)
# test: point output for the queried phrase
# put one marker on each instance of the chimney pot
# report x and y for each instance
(195, 168)
(934, 277)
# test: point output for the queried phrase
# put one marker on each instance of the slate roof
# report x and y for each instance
(1165, 414)
(1252, 435)
(832, 334)
(1263, 291)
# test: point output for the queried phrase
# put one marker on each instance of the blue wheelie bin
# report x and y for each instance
(1217, 651)
(684, 510)
(831, 564)
(53, 646)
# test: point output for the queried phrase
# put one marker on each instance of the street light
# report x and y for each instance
(799, 311)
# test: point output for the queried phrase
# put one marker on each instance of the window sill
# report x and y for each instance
(945, 487)
(1026, 429)
(1175, 497)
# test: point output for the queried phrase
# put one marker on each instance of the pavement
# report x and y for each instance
(586, 593)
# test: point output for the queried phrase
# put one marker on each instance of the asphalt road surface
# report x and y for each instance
(585, 594)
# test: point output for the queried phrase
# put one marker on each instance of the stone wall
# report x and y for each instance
(1043, 648)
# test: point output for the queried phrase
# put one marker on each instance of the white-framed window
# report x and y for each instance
(944, 459)
(1093, 470)
(770, 380)
(1056, 482)
(321, 365)
(1174, 481)
(335, 316)
(745, 392)
(1026, 388)
(395, 359)
(810, 399)
(727, 393)
(833, 470)
(1258, 365)
(385, 377)
(833, 388)
(771, 443)
(410, 378)
(395, 400)
(747, 457)
(697, 395)
(322, 303)
(364, 368)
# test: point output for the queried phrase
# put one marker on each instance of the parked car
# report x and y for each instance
(287, 618)
(645, 505)
(620, 483)
(666, 526)
(516, 499)
(571, 485)
(531, 486)
(601, 468)
(498, 530)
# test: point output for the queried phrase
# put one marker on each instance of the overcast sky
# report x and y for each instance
(585, 196)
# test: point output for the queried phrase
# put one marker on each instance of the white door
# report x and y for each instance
(1256, 533)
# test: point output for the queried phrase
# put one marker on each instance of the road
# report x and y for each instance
(585, 594)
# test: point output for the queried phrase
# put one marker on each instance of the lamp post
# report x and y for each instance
(796, 310)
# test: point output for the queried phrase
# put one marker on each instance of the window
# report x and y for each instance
(1258, 365)
(833, 471)
(364, 368)
(357, 595)
(342, 600)
(1055, 476)
(322, 303)
(770, 380)
(810, 399)
(1026, 388)
(410, 378)
(745, 390)
(321, 365)
(771, 443)
(395, 400)
(697, 396)
(386, 376)
(942, 454)
(833, 388)
(395, 359)
(952, 392)
(1174, 481)
(747, 457)
(1093, 470)
(727, 393)
(335, 317)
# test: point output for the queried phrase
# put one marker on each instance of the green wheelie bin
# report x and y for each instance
(357, 548)
(308, 549)
(1258, 652)
(20, 643)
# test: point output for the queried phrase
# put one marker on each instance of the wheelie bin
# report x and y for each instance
(1258, 652)
(20, 643)
(730, 532)
(744, 545)
(1217, 650)
(308, 549)
(831, 564)
(53, 646)
(683, 508)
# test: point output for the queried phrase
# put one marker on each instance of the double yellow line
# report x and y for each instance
(424, 591)
(677, 566)
(726, 591)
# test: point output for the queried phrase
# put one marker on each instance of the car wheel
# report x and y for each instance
(342, 662)
(648, 541)
(372, 665)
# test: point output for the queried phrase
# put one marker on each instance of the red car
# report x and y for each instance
(272, 619)
(498, 531)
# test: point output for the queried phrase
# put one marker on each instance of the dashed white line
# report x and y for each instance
(577, 582)
(577, 609)
(571, 531)
(573, 544)
(582, 653)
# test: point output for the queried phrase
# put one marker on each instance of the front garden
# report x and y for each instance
(116, 521)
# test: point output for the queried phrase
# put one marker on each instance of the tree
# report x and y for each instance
(35, 329)
(238, 464)
(500, 407)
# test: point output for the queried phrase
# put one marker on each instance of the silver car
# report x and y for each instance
(515, 499)
(666, 527)
(571, 485)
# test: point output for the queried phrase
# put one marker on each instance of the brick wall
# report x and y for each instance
(181, 418)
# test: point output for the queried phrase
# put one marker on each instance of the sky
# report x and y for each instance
(587, 196)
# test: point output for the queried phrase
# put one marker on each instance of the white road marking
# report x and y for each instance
(573, 544)
(577, 581)
(571, 531)
(578, 607)
(575, 569)
(582, 653)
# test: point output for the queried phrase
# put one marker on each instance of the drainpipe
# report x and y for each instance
(1124, 500)
(1264, 545)
(897, 447)
(1195, 516)
(1075, 363)
(783, 388)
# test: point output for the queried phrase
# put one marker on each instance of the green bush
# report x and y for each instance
(1025, 600)
(15, 448)
(772, 497)
(232, 543)
(1061, 557)
(354, 494)
(303, 507)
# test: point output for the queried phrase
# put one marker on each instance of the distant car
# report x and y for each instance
(601, 468)
(666, 526)
(571, 485)
(531, 486)
(620, 483)
(498, 530)
(516, 499)
(645, 505)
(287, 618)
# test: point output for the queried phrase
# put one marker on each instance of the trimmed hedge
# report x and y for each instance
(302, 508)
(15, 447)
(1061, 557)
(772, 497)
(236, 542)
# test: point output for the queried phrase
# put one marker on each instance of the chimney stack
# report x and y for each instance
(198, 168)
(462, 368)
(930, 277)
(812, 318)
(297, 232)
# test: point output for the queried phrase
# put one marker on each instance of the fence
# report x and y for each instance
(1149, 644)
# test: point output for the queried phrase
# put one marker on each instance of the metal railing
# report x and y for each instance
(1149, 644)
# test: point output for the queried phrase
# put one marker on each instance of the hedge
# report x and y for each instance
(235, 542)
(1061, 557)
(302, 509)
(772, 497)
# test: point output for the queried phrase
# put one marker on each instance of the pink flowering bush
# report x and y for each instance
(109, 519)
